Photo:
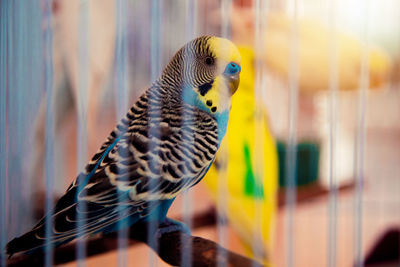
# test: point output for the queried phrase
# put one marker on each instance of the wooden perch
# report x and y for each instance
(169, 247)
(203, 252)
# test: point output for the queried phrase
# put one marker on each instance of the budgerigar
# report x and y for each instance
(164, 145)
(251, 172)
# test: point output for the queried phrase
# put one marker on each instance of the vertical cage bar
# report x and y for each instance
(187, 195)
(226, 11)
(360, 139)
(49, 131)
(222, 185)
(291, 191)
(121, 59)
(82, 119)
(16, 118)
(260, 11)
(34, 85)
(3, 129)
(154, 111)
(11, 112)
(121, 109)
(24, 92)
(333, 96)
(156, 6)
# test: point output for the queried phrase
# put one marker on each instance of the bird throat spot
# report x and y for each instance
(204, 88)
(209, 103)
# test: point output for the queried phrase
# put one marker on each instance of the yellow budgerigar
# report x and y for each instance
(244, 178)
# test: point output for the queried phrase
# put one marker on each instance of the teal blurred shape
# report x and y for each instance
(307, 162)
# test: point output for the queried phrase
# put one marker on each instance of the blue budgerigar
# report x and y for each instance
(164, 145)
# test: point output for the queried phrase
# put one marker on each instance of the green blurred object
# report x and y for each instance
(307, 163)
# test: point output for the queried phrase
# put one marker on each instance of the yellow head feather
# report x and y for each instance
(225, 52)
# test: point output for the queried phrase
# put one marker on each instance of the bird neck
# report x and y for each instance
(185, 94)
(190, 97)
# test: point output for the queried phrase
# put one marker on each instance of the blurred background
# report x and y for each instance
(309, 173)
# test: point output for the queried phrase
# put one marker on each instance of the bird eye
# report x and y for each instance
(209, 61)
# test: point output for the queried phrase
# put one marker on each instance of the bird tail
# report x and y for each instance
(36, 238)
(24, 243)
(28, 242)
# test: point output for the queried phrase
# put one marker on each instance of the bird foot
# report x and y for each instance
(169, 226)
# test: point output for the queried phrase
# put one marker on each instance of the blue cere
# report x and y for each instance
(232, 68)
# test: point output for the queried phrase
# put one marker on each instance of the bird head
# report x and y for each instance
(208, 73)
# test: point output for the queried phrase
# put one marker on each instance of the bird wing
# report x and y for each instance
(144, 161)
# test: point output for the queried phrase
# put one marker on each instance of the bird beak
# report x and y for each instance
(232, 78)
(233, 82)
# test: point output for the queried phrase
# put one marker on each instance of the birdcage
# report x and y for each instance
(306, 174)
